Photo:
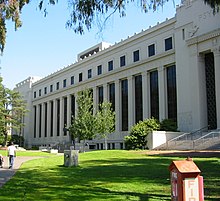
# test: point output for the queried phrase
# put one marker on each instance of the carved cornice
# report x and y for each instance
(203, 37)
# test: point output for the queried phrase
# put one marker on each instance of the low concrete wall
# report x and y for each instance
(158, 138)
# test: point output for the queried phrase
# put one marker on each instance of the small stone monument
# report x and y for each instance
(71, 158)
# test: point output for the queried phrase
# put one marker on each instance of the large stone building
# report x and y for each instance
(171, 70)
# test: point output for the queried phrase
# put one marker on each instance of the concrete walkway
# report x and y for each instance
(6, 173)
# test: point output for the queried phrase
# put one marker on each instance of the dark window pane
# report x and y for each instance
(112, 95)
(171, 93)
(124, 104)
(168, 44)
(80, 77)
(58, 85)
(89, 73)
(136, 56)
(99, 69)
(138, 99)
(72, 80)
(122, 61)
(151, 50)
(64, 83)
(154, 94)
(110, 65)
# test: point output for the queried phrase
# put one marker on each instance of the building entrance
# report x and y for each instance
(210, 90)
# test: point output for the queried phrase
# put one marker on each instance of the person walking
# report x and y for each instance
(11, 154)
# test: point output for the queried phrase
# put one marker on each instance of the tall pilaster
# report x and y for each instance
(54, 118)
(162, 94)
(48, 118)
(145, 97)
(37, 121)
(95, 102)
(61, 116)
(43, 120)
(105, 90)
(130, 102)
(117, 107)
(68, 111)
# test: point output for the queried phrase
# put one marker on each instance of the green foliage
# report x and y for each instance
(17, 140)
(83, 126)
(168, 125)
(12, 111)
(105, 119)
(138, 135)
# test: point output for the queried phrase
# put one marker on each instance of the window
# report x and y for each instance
(99, 70)
(122, 61)
(45, 90)
(112, 95)
(58, 85)
(151, 50)
(80, 77)
(72, 80)
(51, 117)
(154, 94)
(39, 119)
(110, 65)
(51, 88)
(64, 83)
(89, 73)
(58, 117)
(168, 44)
(65, 114)
(35, 121)
(136, 56)
(100, 95)
(124, 103)
(45, 119)
(138, 99)
(171, 93)
(35, 94)
(39, 92)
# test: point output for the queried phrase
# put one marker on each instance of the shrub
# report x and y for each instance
(138, 135)
(168, 125)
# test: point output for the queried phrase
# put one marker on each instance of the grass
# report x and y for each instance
(104, 175)
(27, 153)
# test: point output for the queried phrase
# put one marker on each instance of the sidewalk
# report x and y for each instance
(6, 173)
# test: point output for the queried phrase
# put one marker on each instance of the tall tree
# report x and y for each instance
(12, 111)
(83, 13)
(105, 121)
(83, 126)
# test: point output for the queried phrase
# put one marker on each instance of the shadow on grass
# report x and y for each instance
(142, 179)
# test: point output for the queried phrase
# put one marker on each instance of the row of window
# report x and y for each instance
(136, 57)
(138, 107)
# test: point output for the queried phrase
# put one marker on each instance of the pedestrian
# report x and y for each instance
(11, 154)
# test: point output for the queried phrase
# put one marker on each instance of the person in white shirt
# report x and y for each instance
(11, 154)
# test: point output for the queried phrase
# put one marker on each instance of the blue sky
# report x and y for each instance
(43, 45)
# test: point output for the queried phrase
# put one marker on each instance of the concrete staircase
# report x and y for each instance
(197, 140)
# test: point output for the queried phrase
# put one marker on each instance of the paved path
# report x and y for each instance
(6, 173)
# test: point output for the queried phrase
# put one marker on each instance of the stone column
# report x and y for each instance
(105, 91)
(43, 120)
(131, 100)
(95, 103)
(37, 121)
(54, 118)
(48, 118)
(145, 95)
(61, 116)
(68, 111)
(162, 94)
(217, 83)
(117, 107)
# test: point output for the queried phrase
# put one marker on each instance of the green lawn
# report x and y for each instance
(104, 175)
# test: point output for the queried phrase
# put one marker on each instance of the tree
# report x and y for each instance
(12, 111)
(105, 119)
(84, 125)
(83, 13)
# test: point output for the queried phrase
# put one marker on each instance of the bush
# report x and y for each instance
(168, 125)
(138, 135)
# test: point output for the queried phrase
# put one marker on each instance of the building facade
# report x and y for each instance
(171, 70)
